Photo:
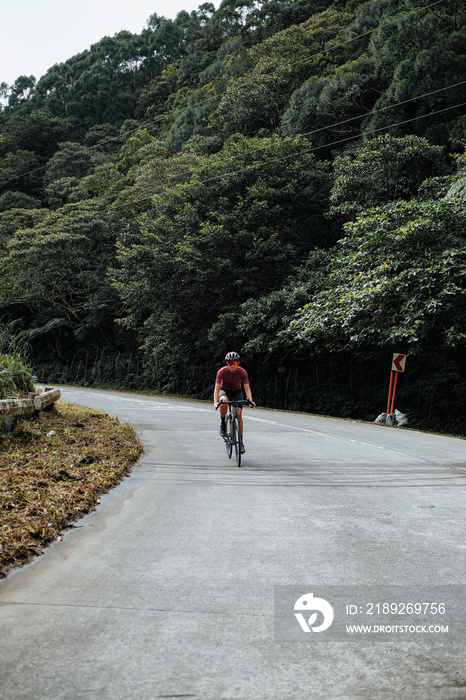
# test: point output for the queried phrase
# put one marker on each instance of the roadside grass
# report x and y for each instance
(49, 481)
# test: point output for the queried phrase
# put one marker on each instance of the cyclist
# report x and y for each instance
(228, 384)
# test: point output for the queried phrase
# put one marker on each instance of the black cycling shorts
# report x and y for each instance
(231, 395)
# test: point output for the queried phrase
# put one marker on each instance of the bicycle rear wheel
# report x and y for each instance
(237, 441)
(228, 436)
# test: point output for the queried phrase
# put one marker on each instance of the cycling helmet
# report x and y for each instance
(232, 357)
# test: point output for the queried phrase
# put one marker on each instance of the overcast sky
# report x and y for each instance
(36, 34)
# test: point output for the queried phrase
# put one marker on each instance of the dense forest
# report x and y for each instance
(284, 178)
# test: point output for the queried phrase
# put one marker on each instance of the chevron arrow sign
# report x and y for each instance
(398, 362)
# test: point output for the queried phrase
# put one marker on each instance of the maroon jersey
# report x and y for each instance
(231, 381)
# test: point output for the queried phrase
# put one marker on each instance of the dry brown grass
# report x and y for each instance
(48, 482)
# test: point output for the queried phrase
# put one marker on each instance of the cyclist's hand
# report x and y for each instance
(252, 404)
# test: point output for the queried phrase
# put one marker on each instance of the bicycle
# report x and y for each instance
(232, 436)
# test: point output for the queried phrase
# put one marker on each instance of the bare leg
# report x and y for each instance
(239, 413)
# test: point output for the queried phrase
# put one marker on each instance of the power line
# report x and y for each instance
(320, 129)
(369, 31)
(211, 99)
(287, 157)
(344, 121)
(305, 58)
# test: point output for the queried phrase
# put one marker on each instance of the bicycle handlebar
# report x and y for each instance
(236, 403)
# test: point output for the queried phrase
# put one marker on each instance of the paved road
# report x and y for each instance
(167, 589)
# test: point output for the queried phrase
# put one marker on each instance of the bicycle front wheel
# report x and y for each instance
(237, 441)
(229, 436)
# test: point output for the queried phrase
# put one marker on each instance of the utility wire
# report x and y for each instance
(395, 20)
(287, 157)
(312, 149)
(313, 131)
(211, 99)
(304, 58)
(340, 123)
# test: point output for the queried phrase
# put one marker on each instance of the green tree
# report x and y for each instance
(256, 100)
(21, 90)
(13, 220)
(104, 183)
(104, 139)
(37, 132)
(21, 171)
(457, 189)
(153, 100)
(155, 172)
(57, 270)
(383, 169)
(259, 321)
(236, 228)
(71, 160)
(64, 171)
(330, 108)
(134, 141)
(164, 42)
(425, 92)
(193, 113)
(404, 73)
(17, 200)
(194, 119)
(399, 280)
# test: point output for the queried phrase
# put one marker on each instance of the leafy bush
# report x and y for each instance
(397, 280)
(16, 376)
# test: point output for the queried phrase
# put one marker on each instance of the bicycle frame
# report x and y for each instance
(232, 437)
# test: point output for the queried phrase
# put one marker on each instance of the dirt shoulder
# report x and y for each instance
(53, 469)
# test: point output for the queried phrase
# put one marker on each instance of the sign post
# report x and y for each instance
(398, 365)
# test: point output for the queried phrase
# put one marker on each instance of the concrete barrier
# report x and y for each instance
(34, 402)
(44, 400)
